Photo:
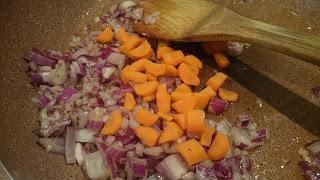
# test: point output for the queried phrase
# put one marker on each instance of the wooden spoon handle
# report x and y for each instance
(297, 44)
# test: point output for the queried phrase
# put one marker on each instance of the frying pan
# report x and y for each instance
(274, 89)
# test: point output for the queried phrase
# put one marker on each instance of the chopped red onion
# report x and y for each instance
(126, 88)
(70, 146)
(55, 126)
(222, 169)
(105, 52)
(39, 58)
(316, 90)
(37, 80)
(139, 149)
(308, 171)
(205, 170)
(243, 121)
(79, 154)
(54, 145)
(117, 59)
(95, 166)
(172, 167)
(314, 146)
(66, 94)
(217, 106)
(43, 101)
(94, 125)
(153, 151)
(85, 135)
(138, 167)
(127, 137)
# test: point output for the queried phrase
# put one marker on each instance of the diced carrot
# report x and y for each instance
(192, 151)
(163, 50)
(144, 50)
(194, 69)
(203, 97)
(221, 60)
(202, 101)
(139, 65)
(187, 76)
(185, 104)
(105, 36)
(193, 61)
(208, 91)
(151, 77)
(145, 117)
(131, 43)
(146, 88)
(171, 71)
(113, 124)
(149, 98)
(122, 35)
(174, 127)
(129, 102)
(156, 69)
(124, 70)
(181, 120)
(219, 147)
(228, 95)
(134, 76)
(167, 135)
(195, 121)
(163, 99)
(216, 46)
(148, 135)
(206, 136)
(166, 117)
(183, 88)
(171, 132)
(176, 96)
(217, 80)
(173, 57)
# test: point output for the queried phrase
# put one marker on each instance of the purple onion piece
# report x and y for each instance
(316, 90)
(37, 80)
(243, 121)
(94, 125)
(56, 126)
(43, 101)
(105, 52)
(205, 170)
(127, 137)
(173, 167)
(39, 58)
(138, 167)
(217, 106)
(70, 146)
(66, 94)
(126, 88)
(222, 169)
(308, 171)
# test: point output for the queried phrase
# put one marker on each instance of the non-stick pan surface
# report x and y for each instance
(274, 89)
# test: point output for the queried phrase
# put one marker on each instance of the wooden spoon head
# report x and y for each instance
(179, 19)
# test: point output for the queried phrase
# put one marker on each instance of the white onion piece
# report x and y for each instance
(127, 4)
(188, 176)
(84, 135)
(153, 151)
(139, 149)
(224, 127)
(172, 167)
(79, 154)
(107, 72)
(95, 166)
(110, 140)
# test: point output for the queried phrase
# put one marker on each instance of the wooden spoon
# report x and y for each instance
(201, 20)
